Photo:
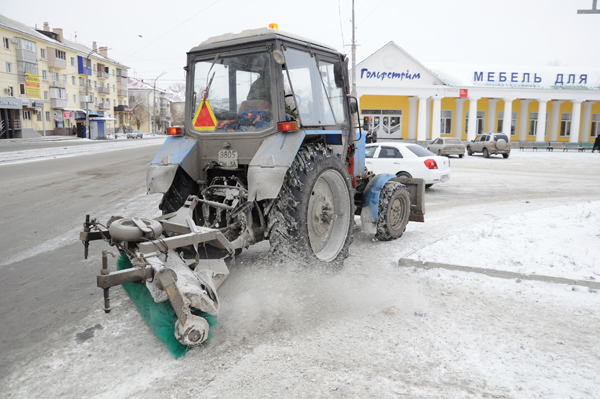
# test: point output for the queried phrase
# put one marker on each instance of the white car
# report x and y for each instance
(407, 160)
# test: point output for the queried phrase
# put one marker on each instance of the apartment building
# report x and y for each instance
(50, 85)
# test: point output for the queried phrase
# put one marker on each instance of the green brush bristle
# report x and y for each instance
(160, 317)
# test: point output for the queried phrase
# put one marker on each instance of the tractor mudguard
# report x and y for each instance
(176, 151)
(270, 164)
(372, 192)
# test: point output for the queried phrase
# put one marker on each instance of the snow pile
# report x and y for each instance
(562, 241)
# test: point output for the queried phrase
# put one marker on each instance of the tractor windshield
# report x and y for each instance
(232, 94)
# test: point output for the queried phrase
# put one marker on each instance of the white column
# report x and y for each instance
(472, 132)
(507, 119)
(422, 127)
(586, 120)
(412, 117)
(555, 120)
(428, 122)
(524, 120)
(575, 121)
(541, 121)
(491, 126)
(437, 115)
(458, 118)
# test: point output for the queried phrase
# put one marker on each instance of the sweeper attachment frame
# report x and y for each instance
(164, 258)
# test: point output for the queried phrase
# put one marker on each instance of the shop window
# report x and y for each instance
(595, 132)
(446, 122)
(26, 115)
(565, 124)
(533, 120)
(513, 123)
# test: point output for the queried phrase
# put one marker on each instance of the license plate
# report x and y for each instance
(228, 158)
(444, 178)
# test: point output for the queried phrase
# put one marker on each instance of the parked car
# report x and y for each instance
(447, 146)
(135, 134)
(490, 143)
(407, 160)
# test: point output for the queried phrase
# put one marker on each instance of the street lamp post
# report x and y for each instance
(154, 105)
(87, 106)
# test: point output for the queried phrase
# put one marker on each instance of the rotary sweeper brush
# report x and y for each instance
(269, 151)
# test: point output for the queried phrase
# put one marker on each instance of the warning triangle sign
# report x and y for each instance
(204, 119)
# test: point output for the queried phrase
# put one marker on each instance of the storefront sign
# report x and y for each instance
(58, 116)
(68, 115)
(10, 103)
(382, 75)
(32, 82)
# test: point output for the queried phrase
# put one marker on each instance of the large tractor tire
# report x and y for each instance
(182, 187)
(312, 217)
(394, 210)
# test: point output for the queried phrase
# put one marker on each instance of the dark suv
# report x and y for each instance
(490, 143)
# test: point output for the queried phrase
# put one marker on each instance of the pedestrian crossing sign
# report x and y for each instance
(204, 119)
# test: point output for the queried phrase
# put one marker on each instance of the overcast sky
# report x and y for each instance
(153, 36)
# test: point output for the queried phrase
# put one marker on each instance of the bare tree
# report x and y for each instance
(178, 88)
(139, 107)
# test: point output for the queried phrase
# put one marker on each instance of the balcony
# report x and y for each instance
(82, 105)
(122, 93)
(54, 61)
(122, 79)
(58, 103)
(105, 106)
(123, 108)
(102, 74)
(104, 90)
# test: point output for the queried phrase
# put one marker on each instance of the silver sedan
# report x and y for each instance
(447, 146)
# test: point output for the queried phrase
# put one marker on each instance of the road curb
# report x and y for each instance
(404, 262)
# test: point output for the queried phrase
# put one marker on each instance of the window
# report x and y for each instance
(6, 43)
(45, 95)
(75, 98)
(25, 44)
(64, 78)
(44, 75)
(479, 122)
(9, 67)
(95, 84)
(26, 115)
(60, 54)
(22, 88)
(565, 124)
(533, 120)
(81, 82)
(595, 132)
(446, 122)
(389, 152)
(114, 88)
(10, 91)
(54, 76)
(72, 61)
(48, 116)
(43, 53)
(38, 115)
(73, 80)
(513, 122)
(27, 67)
(370, 151)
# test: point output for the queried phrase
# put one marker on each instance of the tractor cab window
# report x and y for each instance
(232, 94)
(317, 87)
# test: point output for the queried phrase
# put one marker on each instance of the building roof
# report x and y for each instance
(25, 30)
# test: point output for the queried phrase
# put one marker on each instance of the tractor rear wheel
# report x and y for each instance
(312, 217)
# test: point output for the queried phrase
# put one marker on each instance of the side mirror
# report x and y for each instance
(353, 107)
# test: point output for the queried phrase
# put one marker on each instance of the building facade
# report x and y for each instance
(404, 98)
(52, 86)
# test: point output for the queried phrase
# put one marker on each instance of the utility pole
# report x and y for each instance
(154, 105)
(87, 104)
(353, 93)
